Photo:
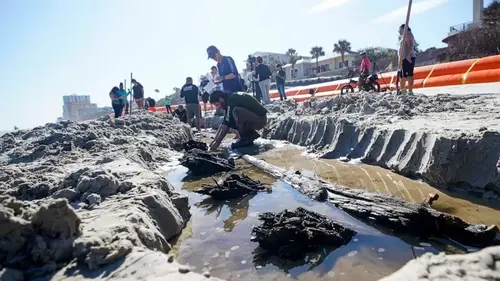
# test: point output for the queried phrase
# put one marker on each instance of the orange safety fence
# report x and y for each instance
(481, 70)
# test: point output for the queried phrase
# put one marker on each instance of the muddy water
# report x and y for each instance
(217, 237)
(357, 175)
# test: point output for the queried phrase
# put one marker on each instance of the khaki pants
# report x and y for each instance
(248, 122)
(265, 87)
(193, 110)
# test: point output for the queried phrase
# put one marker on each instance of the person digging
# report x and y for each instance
(243, 113)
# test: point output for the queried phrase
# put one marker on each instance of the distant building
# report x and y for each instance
(266, 56)
(477, 17)
(79, 107)
(330, 64)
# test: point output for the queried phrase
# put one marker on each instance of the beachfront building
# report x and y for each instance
(330, 64)
(79, 108)
(267, 56)
(477, 17)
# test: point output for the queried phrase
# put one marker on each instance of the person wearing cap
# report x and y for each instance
(243, 113)
(228, 73)
(190, 93)
(364, 70)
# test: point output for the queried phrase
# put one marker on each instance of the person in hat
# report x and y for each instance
(243, 113)
(228, 73)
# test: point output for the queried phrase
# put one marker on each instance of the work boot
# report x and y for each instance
(242, 142)
(253, 135)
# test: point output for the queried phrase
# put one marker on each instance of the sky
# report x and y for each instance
(51, 48)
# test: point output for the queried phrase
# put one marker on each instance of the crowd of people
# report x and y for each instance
(244, 113)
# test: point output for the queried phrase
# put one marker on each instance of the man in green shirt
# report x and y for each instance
(168, 103)
(243, 113)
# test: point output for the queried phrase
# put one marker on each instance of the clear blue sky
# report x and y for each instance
(51, 48)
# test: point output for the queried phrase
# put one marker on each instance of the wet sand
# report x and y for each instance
(359, 175)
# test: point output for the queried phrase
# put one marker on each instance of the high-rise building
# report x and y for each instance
(75, 107)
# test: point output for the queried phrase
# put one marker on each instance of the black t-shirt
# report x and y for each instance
(263, 72)
(138, 91)
(181, 115)
(190, 94)
(280, 78)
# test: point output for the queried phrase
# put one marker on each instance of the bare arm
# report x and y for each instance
(221, 133)
(409, 40)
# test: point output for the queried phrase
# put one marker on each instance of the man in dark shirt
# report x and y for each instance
(138, 93)
(263, 74)
(280, 81)
(180, 112)
(228, 73)
(190, 93)
(243, 113)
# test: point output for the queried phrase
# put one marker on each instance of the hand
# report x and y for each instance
(408, 59)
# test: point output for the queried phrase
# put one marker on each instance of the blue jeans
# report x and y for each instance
(118, 109)
(281, 90)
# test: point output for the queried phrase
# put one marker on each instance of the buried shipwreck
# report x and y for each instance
(88, 199)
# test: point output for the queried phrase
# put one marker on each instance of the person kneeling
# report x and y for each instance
(243, 113)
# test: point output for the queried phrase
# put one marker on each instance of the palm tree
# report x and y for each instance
(341, 47)
(317, 52)
(293, 57)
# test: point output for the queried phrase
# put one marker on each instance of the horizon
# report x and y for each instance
(56, 48)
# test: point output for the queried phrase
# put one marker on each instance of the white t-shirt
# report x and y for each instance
(212, 79)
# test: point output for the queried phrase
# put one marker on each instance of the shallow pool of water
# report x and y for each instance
(217, 238)
(358, 175)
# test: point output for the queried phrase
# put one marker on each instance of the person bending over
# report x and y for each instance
(243, 113)
(180, 112)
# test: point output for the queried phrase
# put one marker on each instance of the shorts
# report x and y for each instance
(138, 98)
(193, 110)
(408, 68)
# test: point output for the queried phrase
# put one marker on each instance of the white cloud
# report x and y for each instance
(416, 8)
(325, 5)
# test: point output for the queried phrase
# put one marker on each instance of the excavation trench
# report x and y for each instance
(218, 236)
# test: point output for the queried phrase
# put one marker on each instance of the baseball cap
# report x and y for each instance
(212, 50)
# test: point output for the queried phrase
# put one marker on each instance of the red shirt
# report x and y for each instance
(365, 65)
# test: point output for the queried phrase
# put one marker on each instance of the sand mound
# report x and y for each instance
(88, 193)
(438, 138)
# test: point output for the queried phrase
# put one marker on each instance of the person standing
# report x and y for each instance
(228, 73)
(138, 93)
(116, 101)
(280, 81)
(122, 94)
(263, 74)
(214, 74)
(190, 94)
(168, 104)
(407, 56)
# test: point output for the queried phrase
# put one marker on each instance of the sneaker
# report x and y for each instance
(242, 143)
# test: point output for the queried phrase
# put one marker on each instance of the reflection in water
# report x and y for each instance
(218, 238)
(358, 175)
(238, 209)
